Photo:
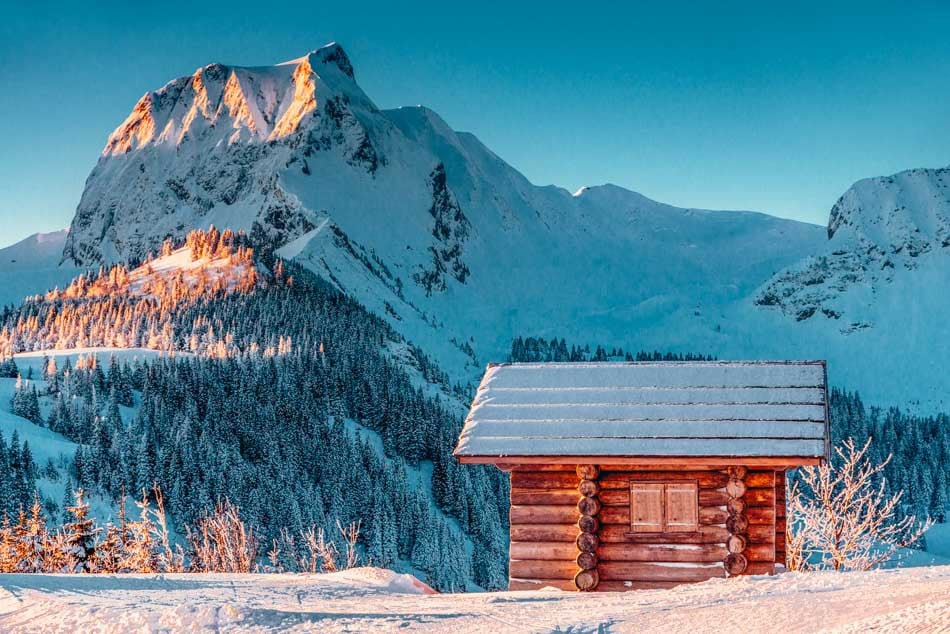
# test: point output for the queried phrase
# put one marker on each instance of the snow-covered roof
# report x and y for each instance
(710, 409)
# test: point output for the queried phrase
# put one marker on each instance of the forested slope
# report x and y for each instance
(285, 396)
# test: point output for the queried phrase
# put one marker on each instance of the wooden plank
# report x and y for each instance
(615, 515)
(708, 497)
(549, 448)
(761, 515)
(760, 552)
(760, 568)
(621, 497)
(539, 584)
(636, 394)
(620, 469)
(681, 507)
(543, 532)
(656, 375)
(696, 553)
(544, 480)
(487, 412)
(759, 479)
(563, 497)
(646, 507)
(537, 514)
(759, 497)
(712, 515)
(616, 425)
(759, 533)
(536, 467)
(620, 533)
(708, 515)
(646, 571)
(635, 460)
(542, 569)
(620, 479)
(557, 551)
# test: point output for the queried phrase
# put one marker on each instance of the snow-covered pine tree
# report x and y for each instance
(80, 536)
(33, 540)
(8, 367)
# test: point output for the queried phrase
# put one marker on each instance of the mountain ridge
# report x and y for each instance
(458, 251)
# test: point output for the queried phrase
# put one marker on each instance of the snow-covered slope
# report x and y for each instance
(32, 266)
(883, 231)
(431, 230)
(373, 600)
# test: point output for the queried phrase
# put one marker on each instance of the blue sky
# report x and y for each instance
(719, 105)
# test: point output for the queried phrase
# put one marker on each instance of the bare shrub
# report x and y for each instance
(219, 541)
(222, 542)
(841, 517)
(169, 559)
(350, 535)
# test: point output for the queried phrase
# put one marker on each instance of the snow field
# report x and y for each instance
(370, 599)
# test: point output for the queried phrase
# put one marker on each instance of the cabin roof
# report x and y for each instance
(656, 410)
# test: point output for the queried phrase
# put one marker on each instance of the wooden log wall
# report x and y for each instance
(544, 527)
(760, 511)
(570, 528)
(630, 562)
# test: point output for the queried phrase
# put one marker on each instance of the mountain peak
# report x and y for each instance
(910, 209)
(331, 54)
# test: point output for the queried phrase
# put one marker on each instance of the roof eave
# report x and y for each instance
(778, 462)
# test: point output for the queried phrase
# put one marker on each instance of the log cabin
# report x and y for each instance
(630, 476)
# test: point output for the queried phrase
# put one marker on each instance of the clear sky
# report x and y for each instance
(722, 105)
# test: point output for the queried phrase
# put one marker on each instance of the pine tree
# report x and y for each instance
(51, 375)
(34, 540)
(8, 368)
(80, 536)
(7, 495)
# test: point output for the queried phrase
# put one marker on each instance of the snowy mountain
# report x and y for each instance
(32, 266)
(460, 253)
(209, 149)
(880, 230)
(401, 211)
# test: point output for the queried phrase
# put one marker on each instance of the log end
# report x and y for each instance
(588, 471)
(587, 542)
(587, 561)
(586, 580)
(735, 564)
(588, 524)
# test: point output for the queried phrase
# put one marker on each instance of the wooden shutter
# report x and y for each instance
(682, 507)
(646, 507)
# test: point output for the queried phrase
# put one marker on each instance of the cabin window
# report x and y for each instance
(664, 507)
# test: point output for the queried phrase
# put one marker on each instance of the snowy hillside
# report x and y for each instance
(369, 599)
(32, 266)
